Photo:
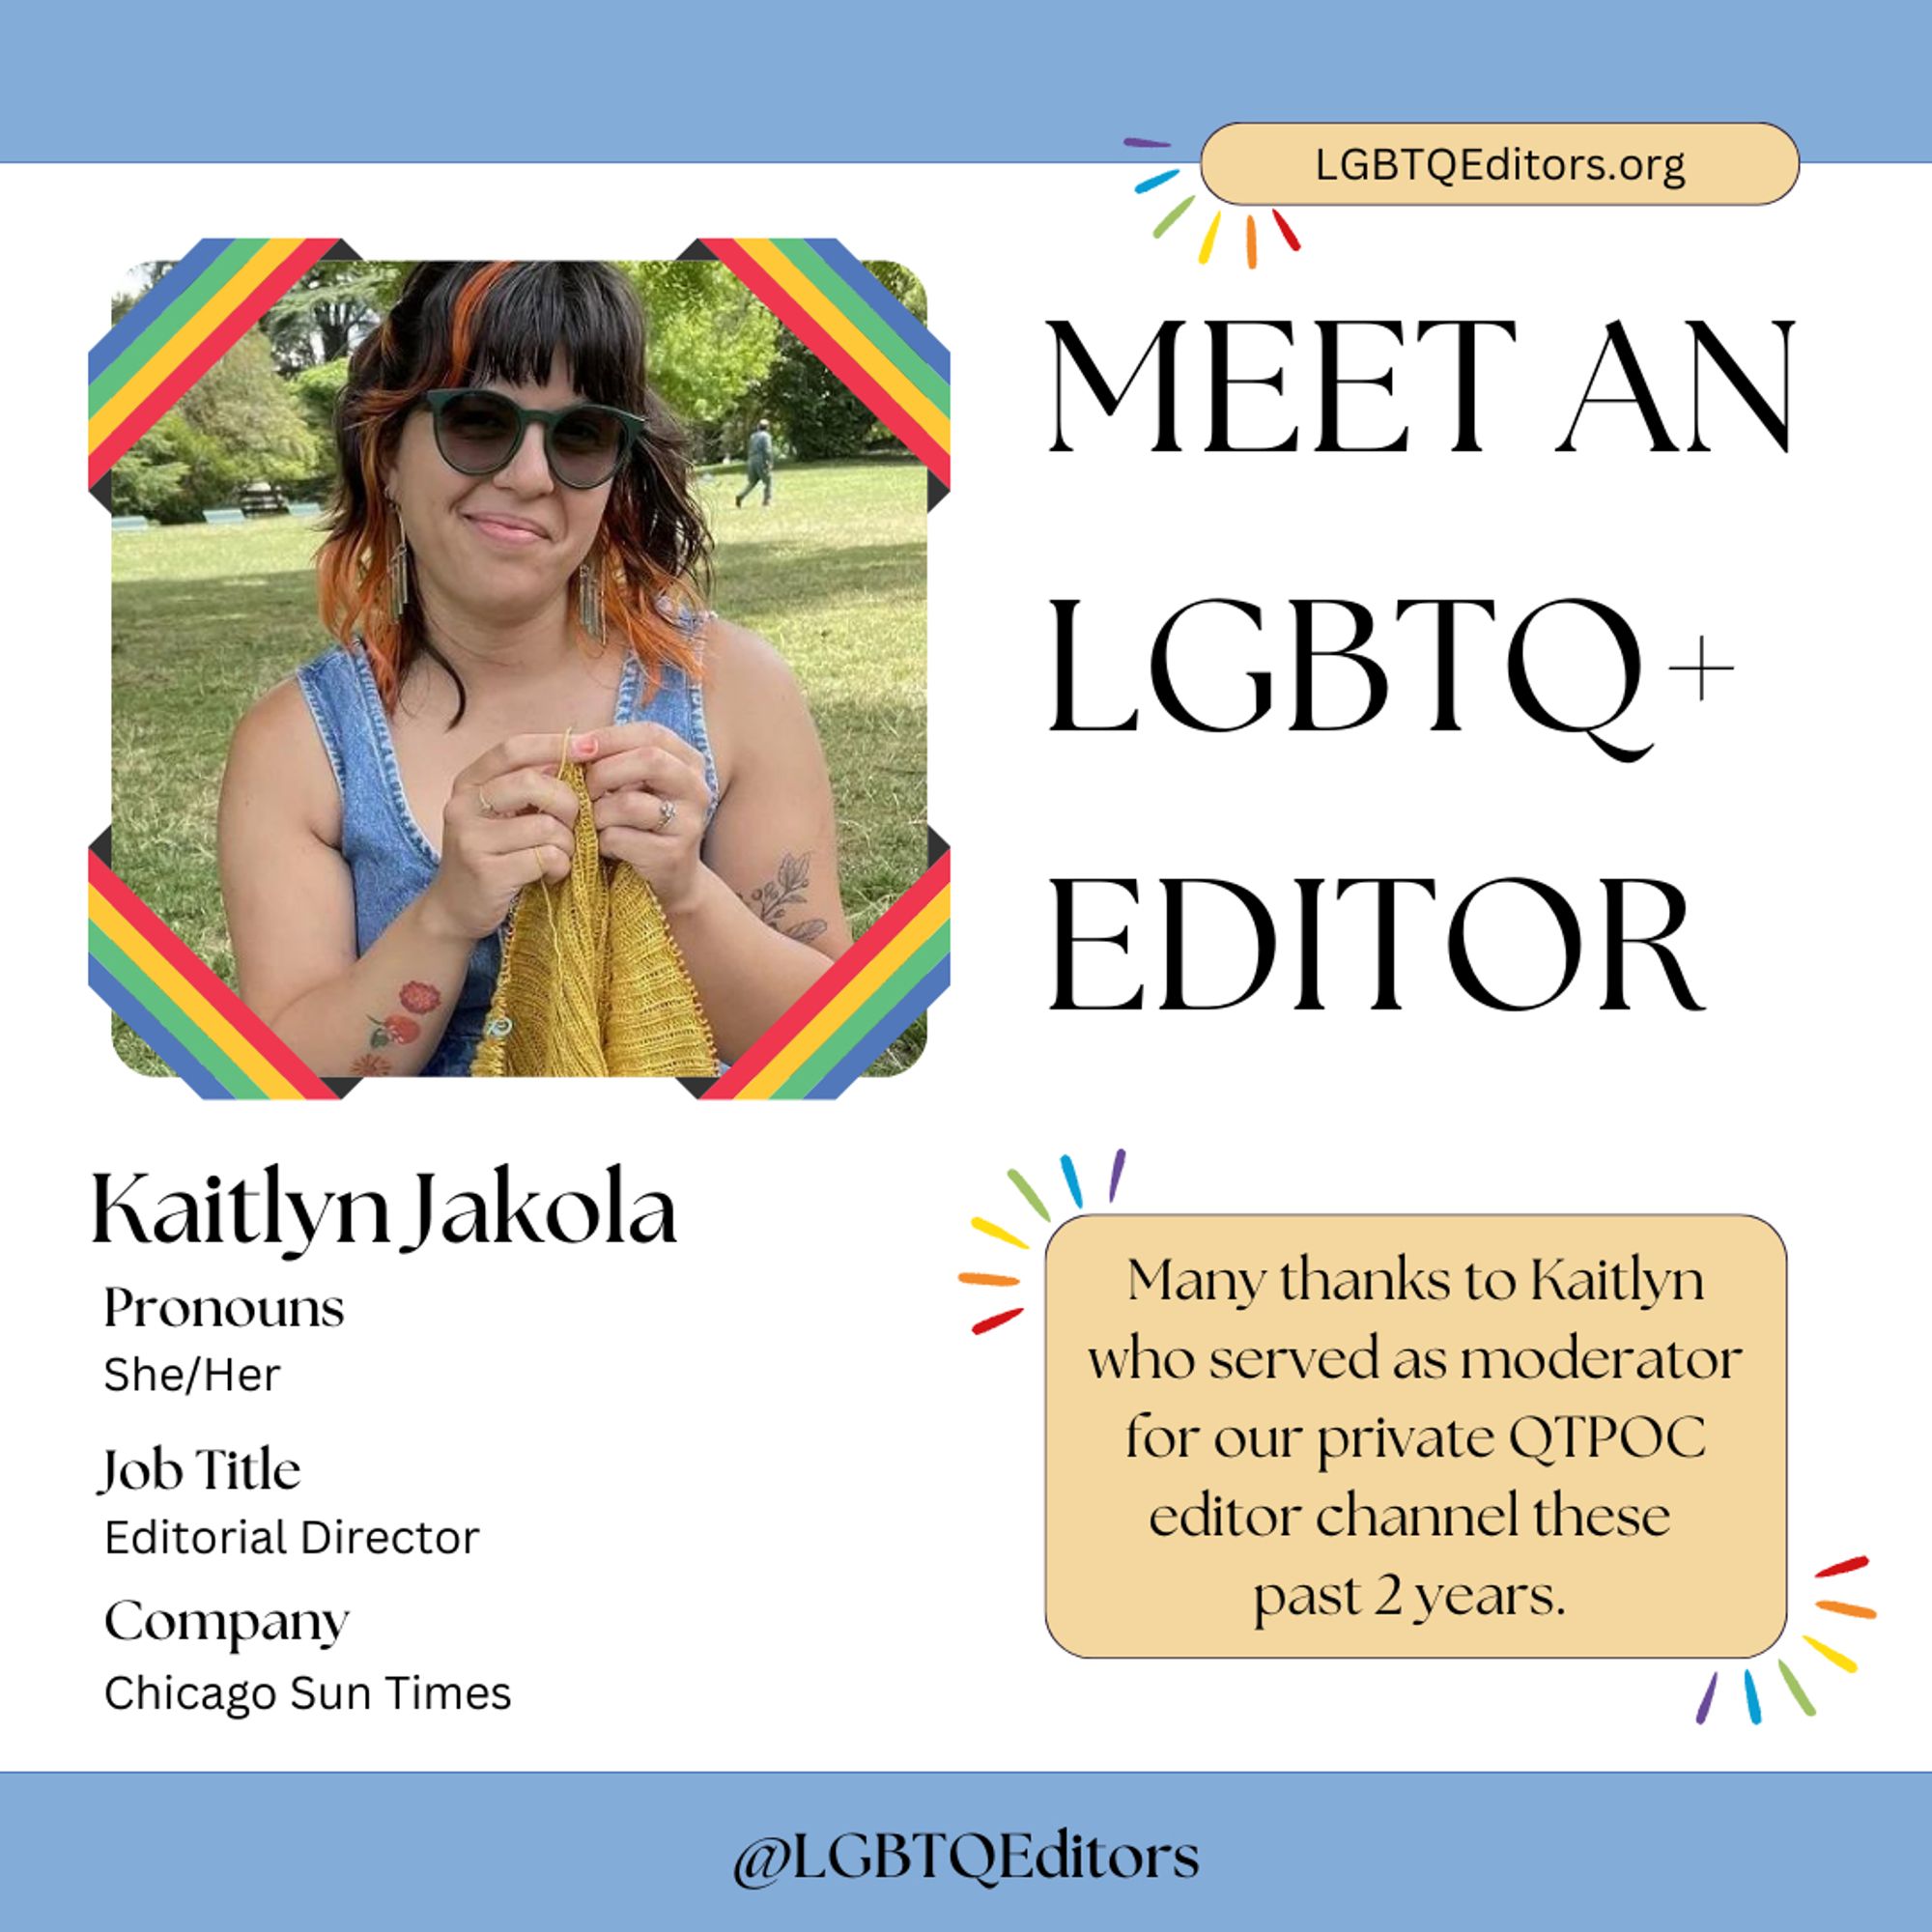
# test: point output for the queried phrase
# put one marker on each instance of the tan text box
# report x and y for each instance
(1415, 1436)
(1476, 164)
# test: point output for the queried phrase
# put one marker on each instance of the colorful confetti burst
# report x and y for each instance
(1031, 1194)
(1754, 1707)
(1187, 201)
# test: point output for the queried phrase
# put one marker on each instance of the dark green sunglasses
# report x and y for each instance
(478, 431)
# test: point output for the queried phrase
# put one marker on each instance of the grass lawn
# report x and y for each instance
(208, 618)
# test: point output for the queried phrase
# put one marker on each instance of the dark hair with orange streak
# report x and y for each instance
(461, 323)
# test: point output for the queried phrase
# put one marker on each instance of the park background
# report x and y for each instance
(209, 615)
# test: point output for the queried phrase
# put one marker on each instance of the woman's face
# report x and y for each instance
(499, 548)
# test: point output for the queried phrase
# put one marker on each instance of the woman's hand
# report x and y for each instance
(649, 802)
(508, 821)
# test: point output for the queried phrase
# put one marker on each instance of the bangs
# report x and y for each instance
(504, 321)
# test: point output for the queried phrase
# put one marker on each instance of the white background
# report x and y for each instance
(760, 1500)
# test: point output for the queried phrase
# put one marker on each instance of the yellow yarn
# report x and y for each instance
(592, 980)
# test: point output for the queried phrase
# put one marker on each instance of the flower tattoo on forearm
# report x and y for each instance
(403, 1028)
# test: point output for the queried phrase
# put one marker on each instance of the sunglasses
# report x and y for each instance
(478, 431)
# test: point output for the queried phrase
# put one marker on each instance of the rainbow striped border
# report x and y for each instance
(179, 1007)
(851, 1014)
(868, 339)
(143, 366)
(864, 335)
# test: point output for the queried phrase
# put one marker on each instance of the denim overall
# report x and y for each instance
(391, 861)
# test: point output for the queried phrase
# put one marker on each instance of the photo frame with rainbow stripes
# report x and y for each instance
(868, 340)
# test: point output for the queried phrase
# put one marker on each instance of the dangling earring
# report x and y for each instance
(399, 569)
(590, 600)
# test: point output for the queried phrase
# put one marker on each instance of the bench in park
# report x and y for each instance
(305, 509)
(222, 517)
(130, 523)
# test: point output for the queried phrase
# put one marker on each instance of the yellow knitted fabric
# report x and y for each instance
(592, 980)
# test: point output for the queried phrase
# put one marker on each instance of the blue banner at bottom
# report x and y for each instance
(283, 1852)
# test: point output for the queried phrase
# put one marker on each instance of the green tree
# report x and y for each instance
(243, 405)
(150, 479)
(317, 393)
(709, 360)
(709, 347)
(238, 424)
(330, 310)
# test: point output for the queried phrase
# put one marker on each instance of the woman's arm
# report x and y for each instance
(292, 907)
(755, 907)
(291, 911)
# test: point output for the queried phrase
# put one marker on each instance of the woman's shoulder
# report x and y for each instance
(277, 718)
(281, 751)
(752, 703)
(305, 702)
(739, 663)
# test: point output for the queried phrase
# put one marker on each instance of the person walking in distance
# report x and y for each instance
(759, 464)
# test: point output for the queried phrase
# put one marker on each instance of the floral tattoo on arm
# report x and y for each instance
(775, 896)
(401, 1027)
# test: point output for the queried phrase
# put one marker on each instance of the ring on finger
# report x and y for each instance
(667, 811)
(483, 799)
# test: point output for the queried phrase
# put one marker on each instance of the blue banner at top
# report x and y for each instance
(996, 81)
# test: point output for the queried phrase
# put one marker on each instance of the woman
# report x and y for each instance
(512, 566)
